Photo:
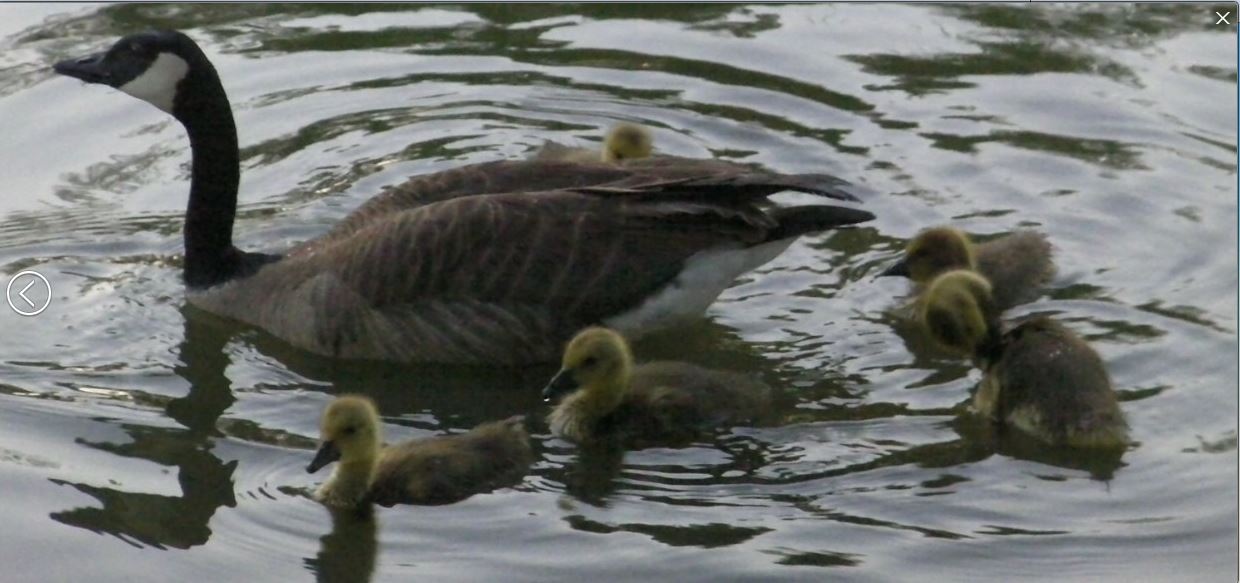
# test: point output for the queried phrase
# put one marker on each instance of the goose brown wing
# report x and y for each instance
(650, 177)
(571, 250)
(500, 278)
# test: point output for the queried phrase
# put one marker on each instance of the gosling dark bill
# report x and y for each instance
(900, 269)
(561, 384)
(328, 453)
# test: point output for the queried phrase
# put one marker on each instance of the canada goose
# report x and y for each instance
(1038, 377)
(654, 403)
(1017, 265)
(435, 470)
(488, 263)
(624, 141)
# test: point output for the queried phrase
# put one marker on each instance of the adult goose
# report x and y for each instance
(489, 263)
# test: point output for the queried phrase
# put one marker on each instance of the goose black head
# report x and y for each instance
(149, 65)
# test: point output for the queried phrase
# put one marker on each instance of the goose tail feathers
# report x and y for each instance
(795, 221)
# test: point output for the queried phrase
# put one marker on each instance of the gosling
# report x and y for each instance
(1038, 377)
(627, 141)
(436, 470)
(1017, 265)
(608, 399)
(624, 141)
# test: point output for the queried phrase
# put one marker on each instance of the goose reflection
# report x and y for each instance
(206, 481)
(591, 476)
(161, 521)
(348, 552)
(978, 440)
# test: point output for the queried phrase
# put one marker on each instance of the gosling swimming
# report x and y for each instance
(1017, 265)
(624, 141)
(607, 398)
(436, 470)
(1038, 377)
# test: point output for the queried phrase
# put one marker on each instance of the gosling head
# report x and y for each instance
(350, 431)
(934, 251)
(627, 141)
(959, 313)
(598, 361)
(149, 65)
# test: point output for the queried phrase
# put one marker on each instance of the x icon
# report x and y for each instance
(1222, 17)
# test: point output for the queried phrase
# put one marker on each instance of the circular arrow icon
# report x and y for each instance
(29, 293)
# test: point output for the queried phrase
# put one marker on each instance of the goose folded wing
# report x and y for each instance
(649, 177)
(503, 278)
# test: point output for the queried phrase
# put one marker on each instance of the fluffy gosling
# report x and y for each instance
(607, 398)
(1017, 265)
(1038, 377)
(436, 470)
(627, 141)
(624, 141)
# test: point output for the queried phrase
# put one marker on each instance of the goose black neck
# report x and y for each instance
(202, 107)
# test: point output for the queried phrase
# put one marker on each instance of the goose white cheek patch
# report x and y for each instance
(158, 83)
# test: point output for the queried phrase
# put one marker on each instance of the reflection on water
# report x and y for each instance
(206, 481)
(160, 521)
(349, 550)
(1109, 127)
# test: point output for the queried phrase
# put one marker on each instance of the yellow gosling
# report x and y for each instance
(627, 141)
(1038, 377)
(607, 397)
(624, 141)
(435, 470)
(958, 311)
(1017, 265)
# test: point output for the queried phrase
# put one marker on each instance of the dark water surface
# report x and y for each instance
(142, 440)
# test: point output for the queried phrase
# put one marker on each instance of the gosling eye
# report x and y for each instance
(350, 430)
(589, 362)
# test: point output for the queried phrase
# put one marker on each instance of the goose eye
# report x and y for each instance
(136, 47)
(350, 430)
(589, 362)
